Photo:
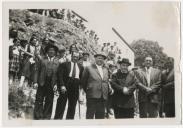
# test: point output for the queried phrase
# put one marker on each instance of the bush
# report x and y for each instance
(21, 101)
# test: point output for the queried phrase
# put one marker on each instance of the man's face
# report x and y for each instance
(34, 41)
(99, 60)
(85, 57)
(61, 54)
(170, 65)
(124, 67)
(112, 68)
(51, 52)
(148, 62)
(75, 58)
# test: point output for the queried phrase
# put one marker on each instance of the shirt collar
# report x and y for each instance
(99, 66)
(148, 69)
(51, 59)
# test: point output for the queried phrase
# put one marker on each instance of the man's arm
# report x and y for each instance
(115, 85)
(157, 84)
(139, 84)
(169, 84)
(37, 70)
(60, 74)
(84, 78)
(131, 82)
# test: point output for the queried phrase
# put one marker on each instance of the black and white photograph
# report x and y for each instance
(101, 61)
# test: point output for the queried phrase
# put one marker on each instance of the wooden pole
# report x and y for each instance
(122, 39)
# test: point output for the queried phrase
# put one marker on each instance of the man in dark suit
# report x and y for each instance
(69, 74)
(47, 80)
(95, 83)
(168, 89)
(149, 85)
(124, 83)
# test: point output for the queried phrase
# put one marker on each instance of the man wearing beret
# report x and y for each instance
(95, 83)
(46, 81)
(124, 83)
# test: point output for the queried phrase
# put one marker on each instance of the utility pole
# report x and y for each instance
(114, 30)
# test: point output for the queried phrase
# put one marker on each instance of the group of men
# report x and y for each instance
(101, 87)
(105, 88)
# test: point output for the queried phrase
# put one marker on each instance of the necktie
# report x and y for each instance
(74, 71)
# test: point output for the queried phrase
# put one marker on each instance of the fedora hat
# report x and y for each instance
(101, 54)
(124, 60)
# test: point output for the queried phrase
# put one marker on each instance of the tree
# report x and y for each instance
(144, 48)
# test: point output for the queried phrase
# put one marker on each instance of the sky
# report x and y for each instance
(157, 21)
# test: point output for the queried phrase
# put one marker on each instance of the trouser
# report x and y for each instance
(49, 95)
(109, 106)
(148, 109)
(61, 103)
(120, 112)
(38, 108)
(169, 109)
(95, 108)
(72, 95)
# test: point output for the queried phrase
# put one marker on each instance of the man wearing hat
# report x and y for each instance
(95, 83)
(124, 83)
(149, 83)
(69, 74)
(46, 81)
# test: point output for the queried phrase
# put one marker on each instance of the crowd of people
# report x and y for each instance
(70, 17)
(109, 88)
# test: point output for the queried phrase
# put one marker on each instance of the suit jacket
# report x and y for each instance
(118, 82)
(155, 84)
(31, 71)
(93, 84)
(168, 87)
(63, 74)
(44, 68)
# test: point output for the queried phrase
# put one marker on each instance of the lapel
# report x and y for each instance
(170, 76)
(95, 68)
(105, 73)
(68, 65)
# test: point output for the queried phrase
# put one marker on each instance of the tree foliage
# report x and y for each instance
(145, 48)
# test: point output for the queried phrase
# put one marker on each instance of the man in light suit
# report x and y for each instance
(95, 83)
(149, 82)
